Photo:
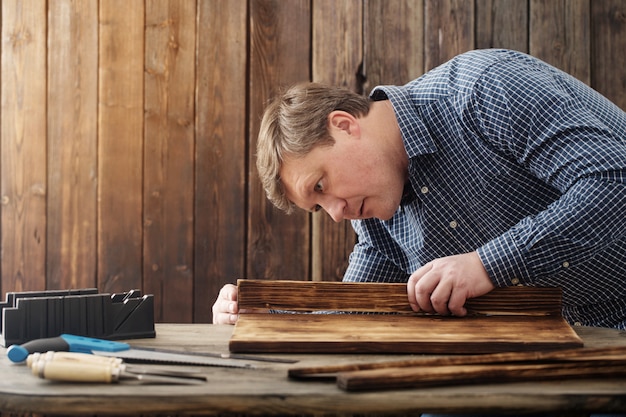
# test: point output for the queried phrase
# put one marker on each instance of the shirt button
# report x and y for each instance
(424, 190)
(578, 323)
(565, 264)
(453, 224)
(515, 281)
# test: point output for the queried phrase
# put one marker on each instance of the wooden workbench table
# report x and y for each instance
(268, 391)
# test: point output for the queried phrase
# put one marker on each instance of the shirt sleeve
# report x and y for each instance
(572, 139)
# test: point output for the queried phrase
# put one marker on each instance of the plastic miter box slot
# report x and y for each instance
(33, 315)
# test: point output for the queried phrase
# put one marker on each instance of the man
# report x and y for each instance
(494, 169)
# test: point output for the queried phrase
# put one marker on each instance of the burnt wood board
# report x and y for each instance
(512, 319)
(380, 333)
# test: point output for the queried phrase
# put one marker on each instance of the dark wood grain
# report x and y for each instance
(220, 206)
(582, 355)
(506, 319)
(168, 149)
(278, 245)
(23, 160)
(502, 24)
(421, 377)
(393, 48)
(120, 145)
(72, 144)
(608, 37)
(388, 333)
(560, 35)
(331, 242)
(385, 298)
(449, 30)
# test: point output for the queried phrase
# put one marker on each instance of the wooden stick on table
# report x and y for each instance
(579, 356)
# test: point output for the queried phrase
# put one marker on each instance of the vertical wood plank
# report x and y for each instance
(220, 205)
(560, 35)
(72, 143)
(502, 24)
(169, 156)
(333, 242)
(23, 145)
(278, 245)
(609, 43)
(449, 29)
(342, 66)
(394, 42)
(120, 145)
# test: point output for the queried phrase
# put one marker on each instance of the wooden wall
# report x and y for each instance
(127, 127)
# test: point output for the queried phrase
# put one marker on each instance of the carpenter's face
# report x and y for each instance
(349, 180)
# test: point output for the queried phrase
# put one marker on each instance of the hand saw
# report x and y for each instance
(100, 347)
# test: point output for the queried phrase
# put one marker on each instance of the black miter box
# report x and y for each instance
(33, 315)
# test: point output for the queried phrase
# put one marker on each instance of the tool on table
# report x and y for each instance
(63, 343)
(31, 315)
(144, 354)
(99, 347)
(83, 367)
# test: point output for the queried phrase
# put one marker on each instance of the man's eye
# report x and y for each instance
(318, 187)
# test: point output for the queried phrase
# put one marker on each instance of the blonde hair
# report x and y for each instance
(293, 124)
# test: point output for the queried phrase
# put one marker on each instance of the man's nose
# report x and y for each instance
(334, 208)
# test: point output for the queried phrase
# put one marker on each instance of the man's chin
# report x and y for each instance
(385, 216)
(390, 213)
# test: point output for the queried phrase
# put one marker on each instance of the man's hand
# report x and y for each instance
(443, 285)
(225, 309)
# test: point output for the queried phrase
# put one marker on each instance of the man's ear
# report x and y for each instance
(343, 122)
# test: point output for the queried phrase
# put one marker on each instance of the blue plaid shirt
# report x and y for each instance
(519, 161)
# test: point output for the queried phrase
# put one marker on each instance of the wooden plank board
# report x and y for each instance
(220, 186)
(506, 319)
(385, 298)
(23, 163)
(449, 30)
(616, 354)
(280, 55)
(72, 144)
(502, 24)
(608, 26)
(421, 377)
(559, 34)
(169, 144)
(393, 47)
(331, 242)
(120, 144)
(368, 333)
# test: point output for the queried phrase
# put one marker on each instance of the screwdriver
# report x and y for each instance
(81, 367)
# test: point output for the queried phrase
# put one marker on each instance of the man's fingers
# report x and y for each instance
(419, 297)
(440, 297)
(225, 309)
(438, 287)
(224, 318)
(228, 292)
(456, 303)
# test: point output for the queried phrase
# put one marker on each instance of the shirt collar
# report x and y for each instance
(416, 137)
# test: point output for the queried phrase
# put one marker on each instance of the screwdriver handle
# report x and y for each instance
(76, 371)
(71, 357)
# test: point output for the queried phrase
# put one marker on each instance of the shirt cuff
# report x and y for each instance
(504, 262)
